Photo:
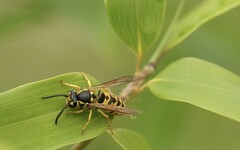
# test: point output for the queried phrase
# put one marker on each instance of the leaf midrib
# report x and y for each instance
(195, 83)
(139, 38)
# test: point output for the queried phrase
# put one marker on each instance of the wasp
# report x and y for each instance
(98, 96)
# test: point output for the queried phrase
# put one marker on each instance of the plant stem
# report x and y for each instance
(134, 87)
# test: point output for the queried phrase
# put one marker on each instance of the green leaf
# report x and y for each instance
(130, 140)
(137, 22)
(200, 83)
(203, 13)
(27, 121)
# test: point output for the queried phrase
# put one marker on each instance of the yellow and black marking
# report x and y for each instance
(97, 96)
(109, 99)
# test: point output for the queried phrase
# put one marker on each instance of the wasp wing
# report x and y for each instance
(115, 82)
(118, 110)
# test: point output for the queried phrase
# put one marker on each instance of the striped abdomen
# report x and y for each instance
(109, 98)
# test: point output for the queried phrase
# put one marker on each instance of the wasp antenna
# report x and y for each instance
(56, 120)
(51, 96)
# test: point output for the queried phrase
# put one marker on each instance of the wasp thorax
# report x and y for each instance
(84, 96)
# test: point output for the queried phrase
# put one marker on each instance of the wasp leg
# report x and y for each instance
(88, 120)
(107, 117)
(74, 112)
(70, 85)
(88, 81)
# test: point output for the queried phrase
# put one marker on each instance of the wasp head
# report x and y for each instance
(71, 100)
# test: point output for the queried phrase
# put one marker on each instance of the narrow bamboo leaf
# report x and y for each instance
(27, 121)
(200, 83)
(137, 22)
(130, 140)
(203, 13)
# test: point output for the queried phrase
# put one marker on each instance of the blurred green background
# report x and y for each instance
(44, 38)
